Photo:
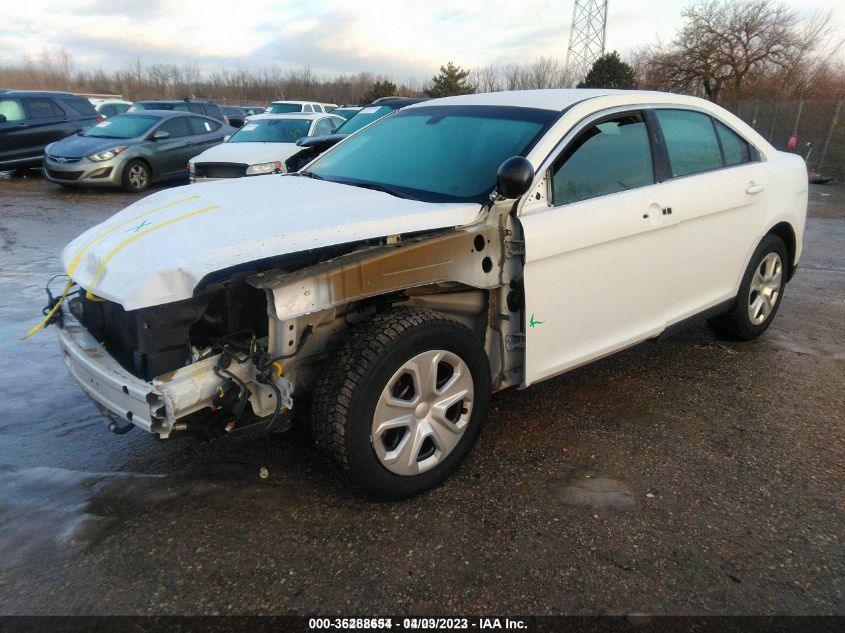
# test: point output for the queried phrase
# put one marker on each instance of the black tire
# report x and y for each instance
(737, 322)
(350, 388)
(129, 182)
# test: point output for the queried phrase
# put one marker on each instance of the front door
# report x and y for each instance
(596, 258)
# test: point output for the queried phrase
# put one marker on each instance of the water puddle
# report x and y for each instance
(584, 488)
(53, 512)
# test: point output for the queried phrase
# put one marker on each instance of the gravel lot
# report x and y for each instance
(707, 478)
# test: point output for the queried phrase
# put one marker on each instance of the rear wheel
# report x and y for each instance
(760, 293)
(136, 176)
(401, 402)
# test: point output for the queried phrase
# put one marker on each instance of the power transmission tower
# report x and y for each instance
(586, 39)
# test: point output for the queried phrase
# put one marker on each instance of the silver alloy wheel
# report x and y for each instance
(765, 288)
(423, 412)
(137, 176)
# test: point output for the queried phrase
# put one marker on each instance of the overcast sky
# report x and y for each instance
(395, 37)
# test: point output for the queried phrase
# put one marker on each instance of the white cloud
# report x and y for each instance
(385, 36)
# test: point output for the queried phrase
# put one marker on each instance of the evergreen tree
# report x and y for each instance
(385, 88)
(609, 71)
(451, 80)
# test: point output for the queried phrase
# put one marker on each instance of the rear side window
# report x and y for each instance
(177, 127)
(734, 147)
(120, 108)
(608, 157)
(307, 108)
(324, 126)
(690, 141)
(12, 109)
(201, 125)
(196, 108)
(81, 106)
(213, 111)
(43, 108)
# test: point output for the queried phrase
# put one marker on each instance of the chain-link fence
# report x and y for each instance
(812, 126)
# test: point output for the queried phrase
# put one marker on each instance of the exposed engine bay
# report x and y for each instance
(228, 360)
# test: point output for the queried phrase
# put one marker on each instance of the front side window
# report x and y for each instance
(123, 126)
(690, 141)
(43, 109)
(435, 153)
(271, 131)
(734, 147)
(196, 108)
(177, 126)
(608, 157)
(12, 109)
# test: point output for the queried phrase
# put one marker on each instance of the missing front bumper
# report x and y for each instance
(156, 406)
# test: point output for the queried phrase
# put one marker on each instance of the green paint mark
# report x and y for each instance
(532, 322)
(135, 229)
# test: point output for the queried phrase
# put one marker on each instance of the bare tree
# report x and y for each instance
(727, 45)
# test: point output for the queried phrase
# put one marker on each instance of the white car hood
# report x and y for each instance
(247, 153)
(156, 250)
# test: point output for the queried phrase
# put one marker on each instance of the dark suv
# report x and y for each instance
(197, 106)
(31, 120)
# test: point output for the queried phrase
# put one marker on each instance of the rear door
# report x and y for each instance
(48, 122)
(596, 255)
(170, 155)
(205, 133)
(716, 191)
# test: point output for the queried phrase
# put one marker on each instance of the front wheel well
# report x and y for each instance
(785, 232)
(141, 159)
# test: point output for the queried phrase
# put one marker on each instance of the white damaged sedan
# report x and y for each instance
(455, 248)
(261, 145)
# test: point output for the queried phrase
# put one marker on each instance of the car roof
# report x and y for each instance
(174, 101)
(291, 115)
(163, 114)
(297, 102)
(36, 93)
(557, 99)
(396, 102)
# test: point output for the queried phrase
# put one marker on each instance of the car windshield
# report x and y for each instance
(282, 108)
(435, 153)
(272, 131)
(364, 117)
(122, 126)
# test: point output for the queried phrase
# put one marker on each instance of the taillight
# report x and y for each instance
(277, 165)
(100, 118)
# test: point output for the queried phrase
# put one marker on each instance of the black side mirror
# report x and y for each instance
(514, 177)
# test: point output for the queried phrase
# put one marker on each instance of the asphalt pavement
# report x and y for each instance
(690, 475)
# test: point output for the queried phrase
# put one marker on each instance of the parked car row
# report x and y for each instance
(111, 142)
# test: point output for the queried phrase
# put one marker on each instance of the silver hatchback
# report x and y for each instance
(132, 150)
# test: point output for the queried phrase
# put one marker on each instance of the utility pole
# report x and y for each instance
(586, 39)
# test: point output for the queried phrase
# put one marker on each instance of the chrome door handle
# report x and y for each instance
(753, 188)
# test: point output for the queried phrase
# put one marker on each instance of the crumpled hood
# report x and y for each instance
(157, 250)
(247, 153)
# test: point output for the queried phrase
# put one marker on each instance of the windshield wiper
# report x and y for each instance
(309, 174)
(393, 191)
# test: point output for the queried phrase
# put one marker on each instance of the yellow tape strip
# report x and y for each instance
(78, 255)
(138, 236)
(51, 312)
